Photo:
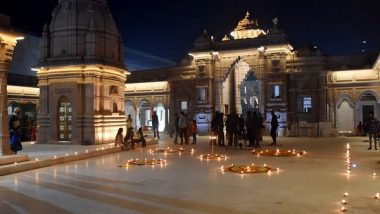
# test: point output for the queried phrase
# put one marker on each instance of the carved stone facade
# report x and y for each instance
(352, 94)
(254, 70)
(81, 75)
(8, 41)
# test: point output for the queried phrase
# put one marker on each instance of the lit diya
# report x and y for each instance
(248, 169)
(213, 157)
(277, 152)
(144, 162)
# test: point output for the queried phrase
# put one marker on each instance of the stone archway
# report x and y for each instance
(161, 113)
(234, 95)
(345, 115)
(144, 114)
(367, 102)
(250, 93)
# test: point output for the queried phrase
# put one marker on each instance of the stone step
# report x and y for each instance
(11, 159)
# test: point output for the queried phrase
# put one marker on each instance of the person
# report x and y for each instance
(194, 130)
(241, 126)
(220, 129)
(359, 129)
(182, 123)
(273, 130)
(15, 131)
(128, 139)
(155, 124)
(214, 124)
(231, 128)
(119, 137)
(188, 128)
(175, 128)
(139, 138)
(129, 122)
(372, 125)
(258, 124)
(262, 126)
(249, 127)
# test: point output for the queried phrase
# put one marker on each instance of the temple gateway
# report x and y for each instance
(251, 69)
(79, 92)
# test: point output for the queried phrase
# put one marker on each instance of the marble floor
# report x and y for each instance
(314, 183)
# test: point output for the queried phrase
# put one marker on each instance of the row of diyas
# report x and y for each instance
(278, 152)
(170, 150)
(351, 165)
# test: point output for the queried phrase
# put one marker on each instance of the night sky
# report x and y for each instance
(167, 28)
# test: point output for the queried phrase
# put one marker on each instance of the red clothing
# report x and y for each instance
(193, 128)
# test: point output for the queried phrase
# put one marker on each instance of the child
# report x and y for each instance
(119, 137)
(194, 131)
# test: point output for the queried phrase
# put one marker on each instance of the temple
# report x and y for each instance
(83, 94)
(81, 75)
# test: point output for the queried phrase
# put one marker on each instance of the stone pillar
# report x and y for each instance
(7, 44)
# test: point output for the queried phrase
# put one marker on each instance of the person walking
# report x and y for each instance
(155, 125)
(372, 125)
(15, 131)
(194, 131)
(273, 130)
(182, 123)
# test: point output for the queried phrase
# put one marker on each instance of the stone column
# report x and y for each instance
(7, 44)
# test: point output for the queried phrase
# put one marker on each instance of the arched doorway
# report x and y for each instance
(64, 119)
(130, 110)
(240, 89)
(144, 115)
(250, 94)
(345, 116)
(367, 102)
(160, 110)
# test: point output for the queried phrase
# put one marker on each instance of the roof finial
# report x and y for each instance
(247, 14)
(275, 21)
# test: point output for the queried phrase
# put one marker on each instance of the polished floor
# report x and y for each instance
(314, 183)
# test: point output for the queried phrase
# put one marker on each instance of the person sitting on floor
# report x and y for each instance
(119, 137)
(139, 137)
(128, 140)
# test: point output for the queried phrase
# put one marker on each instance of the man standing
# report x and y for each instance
(129, 122)
(14, 130)
(155, 124)
(273, 130)
(182, 123)
(372, 125)
(220, 129)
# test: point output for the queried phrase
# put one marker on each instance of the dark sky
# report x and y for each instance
(167, 28)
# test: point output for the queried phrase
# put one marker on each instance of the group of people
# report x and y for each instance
(131, 137)
(252, 128)
(183, 127)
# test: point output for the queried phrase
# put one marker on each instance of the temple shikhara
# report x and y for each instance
(79, 92)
